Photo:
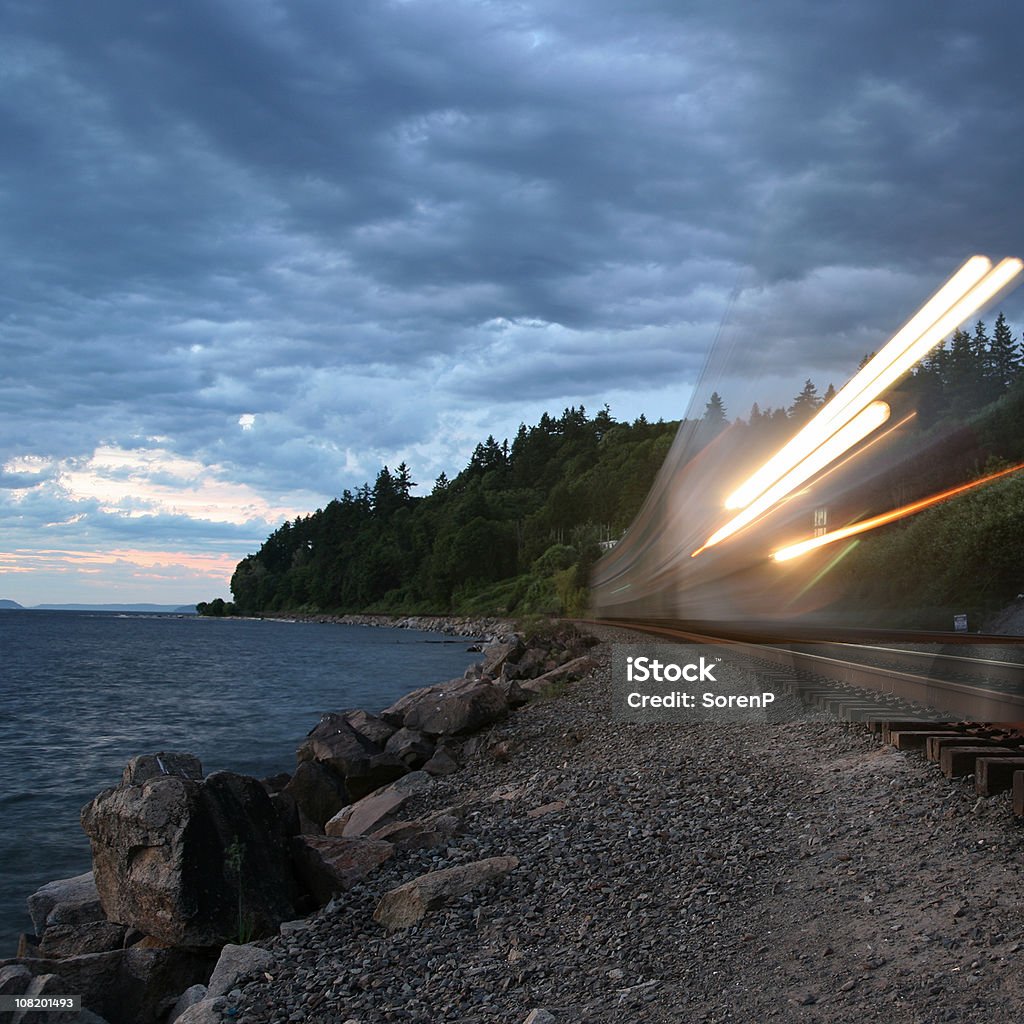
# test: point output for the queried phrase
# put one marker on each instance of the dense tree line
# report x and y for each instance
(964, 555)
(518, 529)
(526, 516)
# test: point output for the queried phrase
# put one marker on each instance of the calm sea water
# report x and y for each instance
(84, 691)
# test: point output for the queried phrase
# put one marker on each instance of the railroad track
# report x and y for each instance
(958, 699)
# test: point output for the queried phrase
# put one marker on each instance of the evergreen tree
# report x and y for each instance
(806, 404)
(964, 377)
(385, 496)
(714, 413)
(830, 393)
(1004, 357)
(936, 361)
(404, 483)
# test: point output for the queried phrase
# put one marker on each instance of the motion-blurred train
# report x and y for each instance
(652, 574)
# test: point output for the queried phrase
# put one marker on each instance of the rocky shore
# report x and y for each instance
(488, 629)
(530, 860)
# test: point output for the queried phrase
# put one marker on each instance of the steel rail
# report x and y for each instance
(962, 700)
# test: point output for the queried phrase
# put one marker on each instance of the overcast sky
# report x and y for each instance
(254, 250)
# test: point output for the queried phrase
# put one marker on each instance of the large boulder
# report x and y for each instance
(126, 986)
(409, 903)
(378, 808)
(527, 664)
(191, 863)
(149, 766)
(235, 965)
(497, 654)
(329, 865)
(319, 792)
(65, 901)
(375, 729)
(192, 995)
(442, 763)
(551, 683)
(410, 746)
(449, 709)
(62, 940)
(416, 835)
(14, 979)
(363, 764)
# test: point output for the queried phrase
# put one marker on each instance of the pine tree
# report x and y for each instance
(404, 482)
(806, 404)
(830, 393)
(1004, 357)
(714, 412)
(982, 363)
(964, 373)
(385, 497)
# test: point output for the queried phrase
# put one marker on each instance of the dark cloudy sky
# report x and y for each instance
(255, 249)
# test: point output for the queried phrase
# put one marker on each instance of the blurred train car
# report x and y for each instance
(652, 574)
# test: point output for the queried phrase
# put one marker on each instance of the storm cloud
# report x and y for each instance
(285, 243)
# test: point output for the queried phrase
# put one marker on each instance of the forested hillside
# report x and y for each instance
(518, 529)
(964, 555)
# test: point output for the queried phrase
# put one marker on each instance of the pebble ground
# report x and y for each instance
(678, 873)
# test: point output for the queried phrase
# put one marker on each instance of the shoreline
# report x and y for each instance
(609, 871)
(677, 872)
(480, 628)
(71, 925)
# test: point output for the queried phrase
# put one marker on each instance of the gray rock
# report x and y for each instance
(409, 903)
(44, 985)
(328, 865)
(362, 763)
(236, 964)
(497, 654)
(514, 693)
(76, 899)
(379, 807)
(128, 986)
(375, 729)
(300, 924)
(416, 835)
(205, 1012)
(150, 766)
(551, 682)
(192, 995)
(449, 709)
(165, 857)
(318, 791)
(528, 664)
(61, 940)
(442, 763)
(14, 979)
(540, 1016)
(410, 746)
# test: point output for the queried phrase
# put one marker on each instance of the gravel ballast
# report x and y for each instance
(671, 873)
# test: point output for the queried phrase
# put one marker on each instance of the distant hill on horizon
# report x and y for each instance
(175, 609)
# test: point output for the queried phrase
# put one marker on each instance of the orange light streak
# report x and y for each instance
(803, 547)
